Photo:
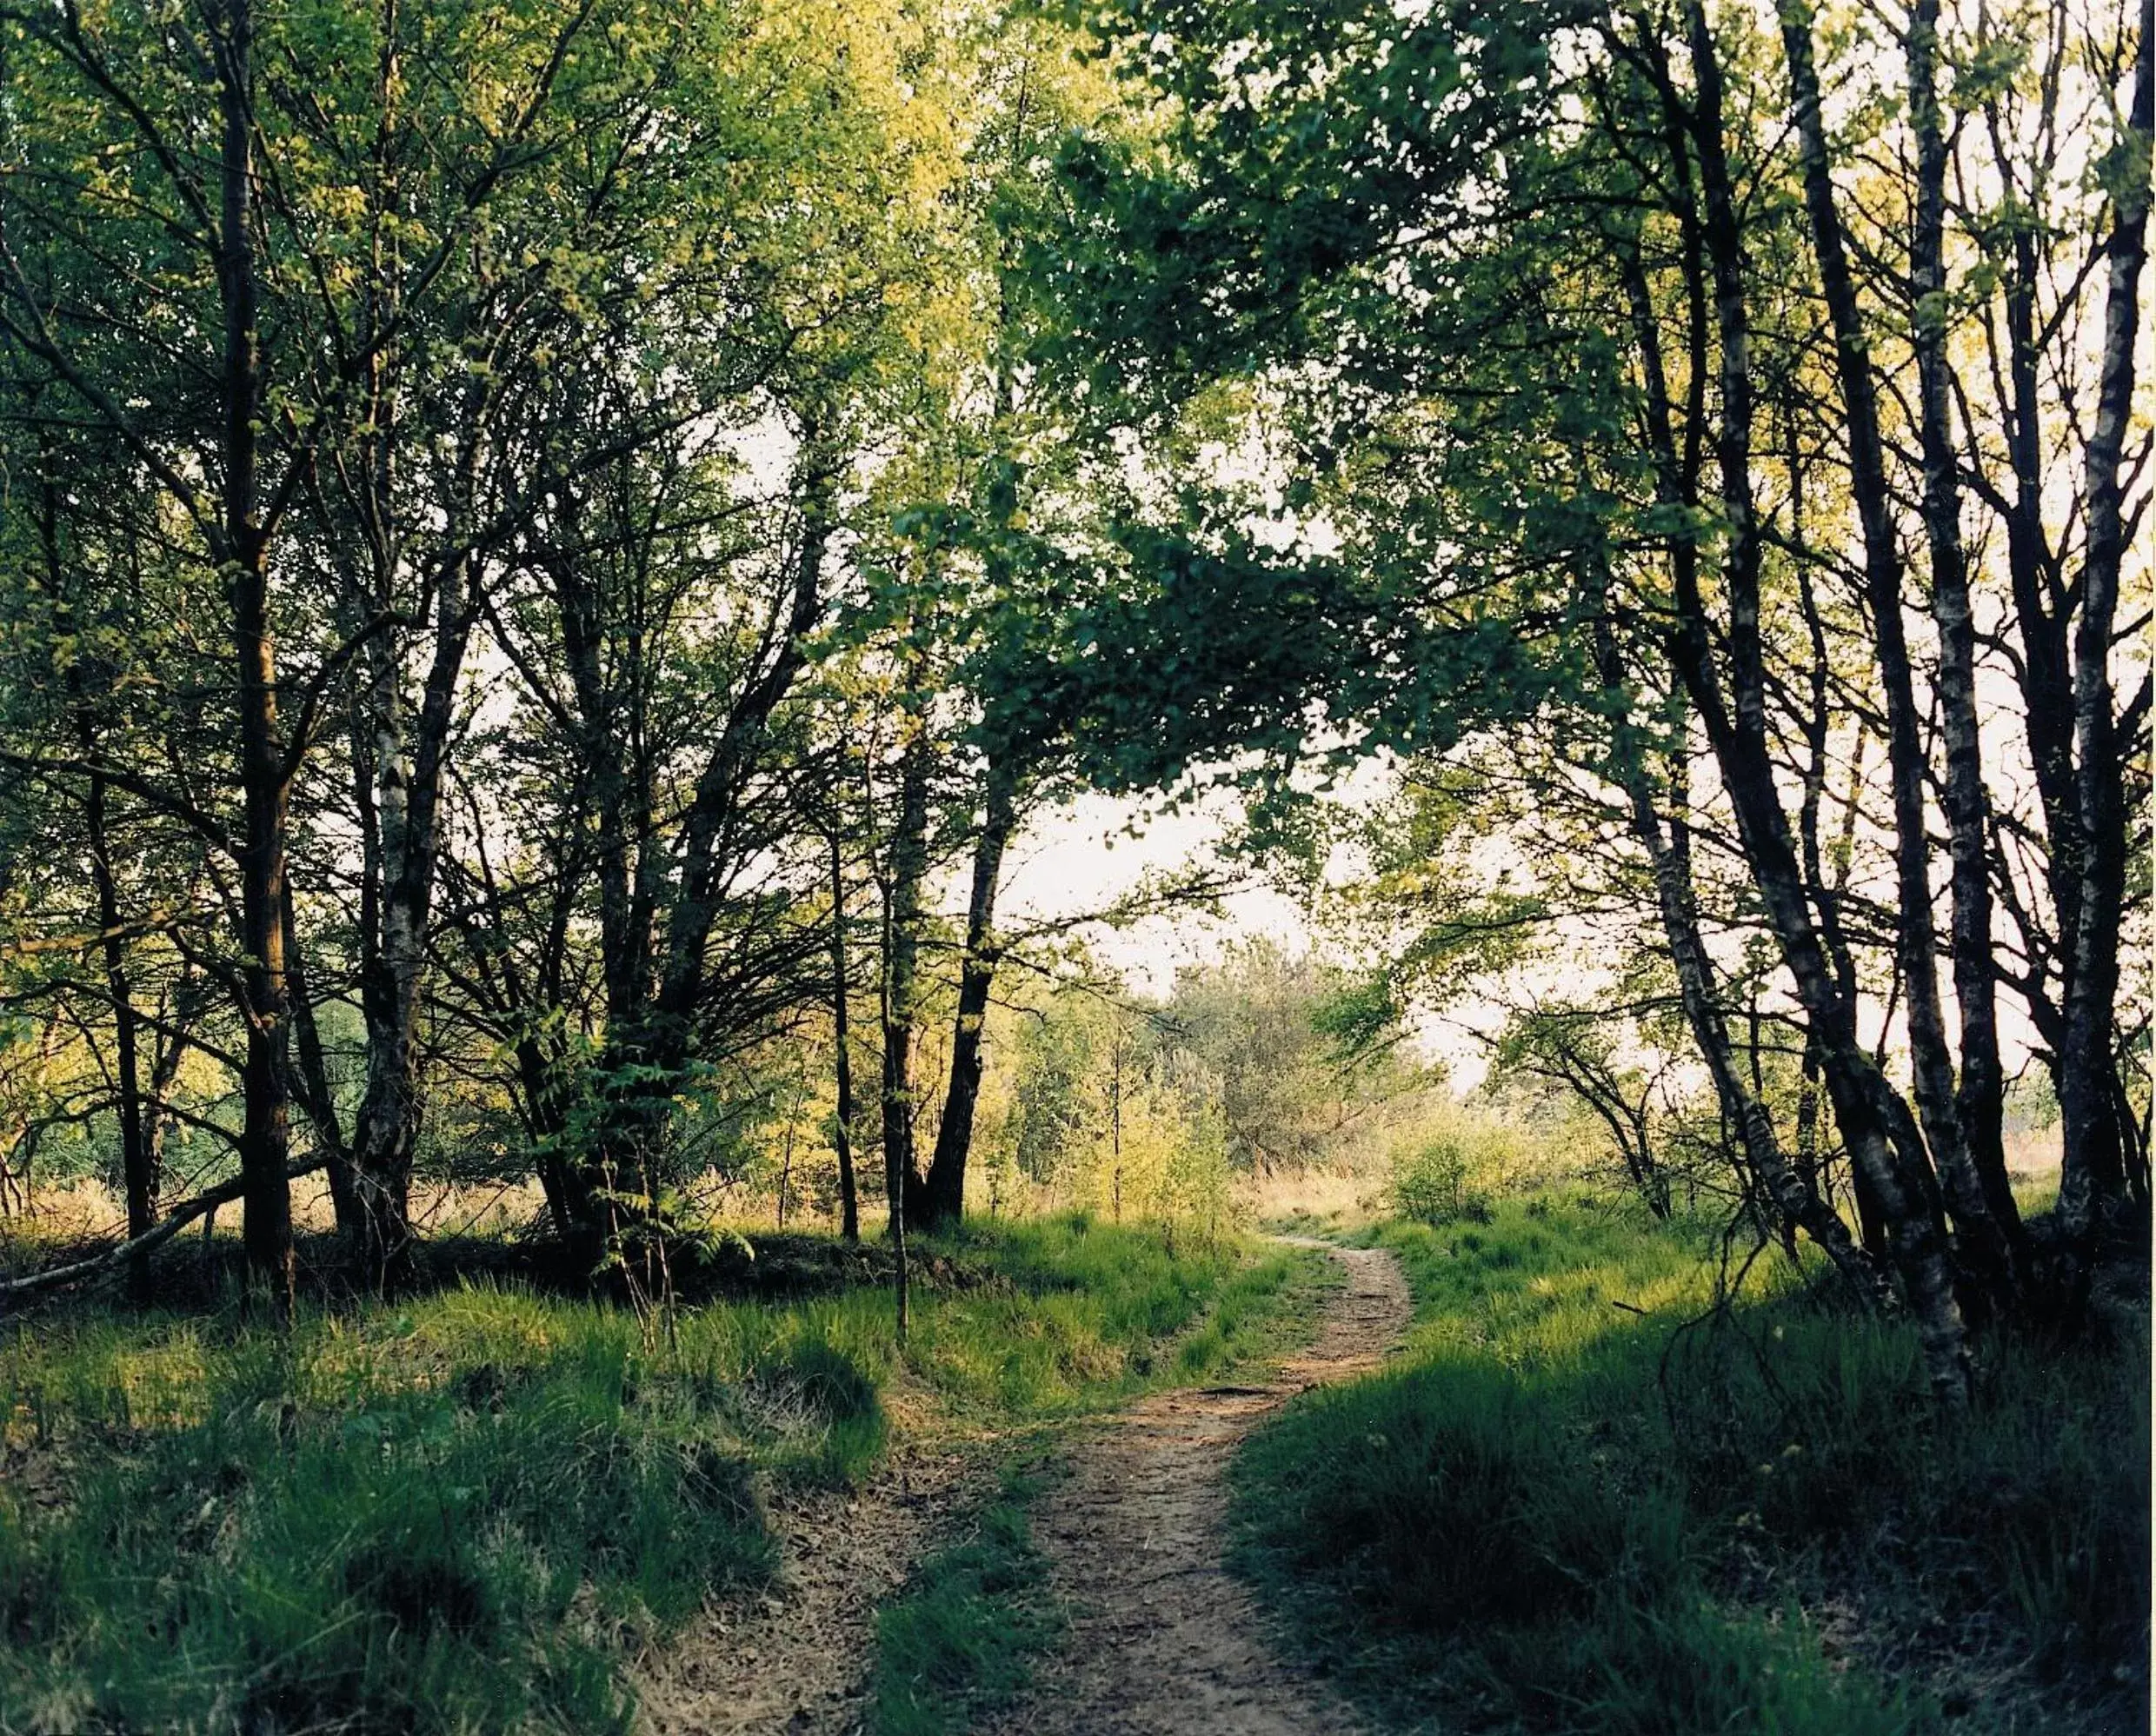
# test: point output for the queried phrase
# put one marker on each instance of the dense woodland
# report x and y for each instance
(554, 553)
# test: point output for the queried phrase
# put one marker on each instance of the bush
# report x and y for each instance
(1432, 1179)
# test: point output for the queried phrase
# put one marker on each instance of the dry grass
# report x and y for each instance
(1330, 1199)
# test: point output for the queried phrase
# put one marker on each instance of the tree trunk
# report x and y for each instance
(408, 814)
(138, 1157)
(842, 1063)
(315, 1097)
(407, 772)
(1979, 1101)
(656, 982)
(1798, 1203)
(265, 779)
(908, 870)
(1986, 1245)
(138, 1168)
(138, 1174)
(944, 1197)
(1874, 1124)
(2091, 1178)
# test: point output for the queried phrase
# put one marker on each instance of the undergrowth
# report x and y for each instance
(960, 1640)
(1565, 1509)
(464, 1510)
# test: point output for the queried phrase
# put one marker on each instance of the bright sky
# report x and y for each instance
(1082, 858)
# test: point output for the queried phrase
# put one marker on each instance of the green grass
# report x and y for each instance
(1083, 1315)
(1535, 1521)
(960, 1640)
(464, 1512)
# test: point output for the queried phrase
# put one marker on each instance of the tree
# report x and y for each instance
(1406, 310)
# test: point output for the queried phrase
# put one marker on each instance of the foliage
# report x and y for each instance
(1459, 330)
(1301, 1068)
(1430, 1180)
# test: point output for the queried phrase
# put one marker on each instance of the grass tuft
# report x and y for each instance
(1552, 1514)
(961, 1639)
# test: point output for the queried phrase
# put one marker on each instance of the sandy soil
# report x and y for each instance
(1164, 1641)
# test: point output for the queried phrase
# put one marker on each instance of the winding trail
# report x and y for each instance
(1164, 1641)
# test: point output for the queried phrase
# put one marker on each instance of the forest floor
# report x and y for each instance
(1110, 1486)
(1155, 1636)
(494, 1503)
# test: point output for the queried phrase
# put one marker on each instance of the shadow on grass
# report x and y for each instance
(462, 1508)
(964, 1636)
(1550, 1516)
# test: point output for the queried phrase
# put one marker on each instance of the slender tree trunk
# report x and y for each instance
(315, 1097)
(908, 866)
(407, 759)
(2092, 1178)
(265, 1137)
(1115, 1130)
(843, 1062)
(901, 910)
(793, 1124)
(944, 1197)
(138, 1171)
(1876, 1128)
(138, 1177)
(1979, 1099)
(1798, 1204)
(2044, 670)
(546, 1088)
(408, 808)
(138, 1158)
(661, 976)
(384, 1134)
(165, 1071)
(1987, 1246)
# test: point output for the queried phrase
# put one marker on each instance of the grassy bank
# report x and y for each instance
(1557, 1512)
(463, 1511)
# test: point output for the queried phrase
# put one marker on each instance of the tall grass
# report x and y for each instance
(463, 1512)
(1560, 1512)
(1086, 1312)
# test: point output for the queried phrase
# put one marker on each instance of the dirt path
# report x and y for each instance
(1164, 1641)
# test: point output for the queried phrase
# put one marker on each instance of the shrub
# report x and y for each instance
(1432, 1179)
